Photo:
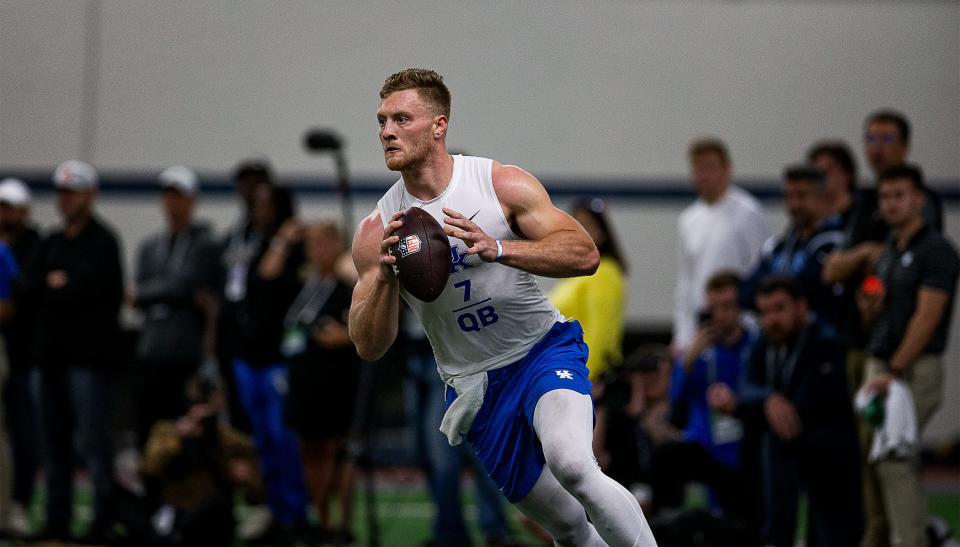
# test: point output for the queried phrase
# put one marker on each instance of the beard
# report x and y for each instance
(777, 334)
(413, 154)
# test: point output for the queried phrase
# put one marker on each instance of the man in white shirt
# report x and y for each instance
(723, 230)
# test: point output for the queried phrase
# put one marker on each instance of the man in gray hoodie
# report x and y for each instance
(174, 280)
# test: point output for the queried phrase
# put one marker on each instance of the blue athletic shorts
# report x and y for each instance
(502, 434)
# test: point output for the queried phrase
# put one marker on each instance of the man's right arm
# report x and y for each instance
(375, 311)
(841, 265)
(681, 294)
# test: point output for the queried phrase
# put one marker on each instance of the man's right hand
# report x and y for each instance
(782, 417)
(702, 339)
(375, 307)
(387, 260)
(721, 398)
(869, 304)
(57, 279)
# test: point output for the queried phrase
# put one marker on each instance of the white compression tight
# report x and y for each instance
(571, 482)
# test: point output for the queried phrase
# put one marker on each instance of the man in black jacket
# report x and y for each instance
(77, 280)
(796, 387)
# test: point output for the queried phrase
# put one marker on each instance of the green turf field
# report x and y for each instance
(404, 514)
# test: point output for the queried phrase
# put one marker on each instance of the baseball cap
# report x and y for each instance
(14, 192)
(75, 175)
(179, 178)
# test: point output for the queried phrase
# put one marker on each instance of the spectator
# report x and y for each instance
(919, 269)
(196, 464)
(710, 451)
(796, 387)
(598, 301)
(174, 268)
(23, 239)
(723, 230)
(647, 374)
(324, 375)
(238, 251)
(78, 280)
(8, 271)
(886, 144)
(802, 250)
(260, 370)
(835, 160)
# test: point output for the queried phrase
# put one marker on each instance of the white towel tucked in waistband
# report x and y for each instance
(459, 417)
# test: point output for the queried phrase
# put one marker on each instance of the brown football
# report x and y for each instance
(423, 255)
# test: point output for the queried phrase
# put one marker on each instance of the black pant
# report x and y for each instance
(23, 426)
(826, 465)
(678, 463)
(76, 399)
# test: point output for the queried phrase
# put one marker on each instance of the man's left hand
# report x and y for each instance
(57, 279)
(464, 229)
(881, 383)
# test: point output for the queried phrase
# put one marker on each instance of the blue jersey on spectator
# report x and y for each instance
(688, 391)
(8, 271)
(803, 261)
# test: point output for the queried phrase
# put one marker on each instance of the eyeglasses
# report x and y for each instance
(880, 138)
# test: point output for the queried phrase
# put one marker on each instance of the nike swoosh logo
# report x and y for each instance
(474, 214)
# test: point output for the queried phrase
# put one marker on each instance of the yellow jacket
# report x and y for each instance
(599, 303)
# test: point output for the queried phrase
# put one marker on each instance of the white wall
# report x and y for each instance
(605, 88)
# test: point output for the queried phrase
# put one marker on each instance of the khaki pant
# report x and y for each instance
(894, 485)
(875, 531)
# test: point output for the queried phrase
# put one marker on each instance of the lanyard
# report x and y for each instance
(786, 369)
(173, 257)
(711, 357)
(311, 299)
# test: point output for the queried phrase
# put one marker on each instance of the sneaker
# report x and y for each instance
(255, 523)
(938, 532)
(18, 522)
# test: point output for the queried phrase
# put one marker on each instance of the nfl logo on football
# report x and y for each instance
(409, 245)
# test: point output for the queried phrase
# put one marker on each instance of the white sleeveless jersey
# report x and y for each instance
(489, 315)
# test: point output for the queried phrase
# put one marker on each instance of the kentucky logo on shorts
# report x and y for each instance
(564, 374)
(409, 245)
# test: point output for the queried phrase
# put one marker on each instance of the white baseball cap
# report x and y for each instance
(75, 175)
(14, 192)
(179, 178)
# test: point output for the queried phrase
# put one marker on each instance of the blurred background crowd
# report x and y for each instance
(807, 361)
(772, 328)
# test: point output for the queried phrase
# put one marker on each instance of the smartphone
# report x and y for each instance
(704, 317)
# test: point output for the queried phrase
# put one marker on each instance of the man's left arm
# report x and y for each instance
(939, 269)
(555, 245)
(931, 305)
